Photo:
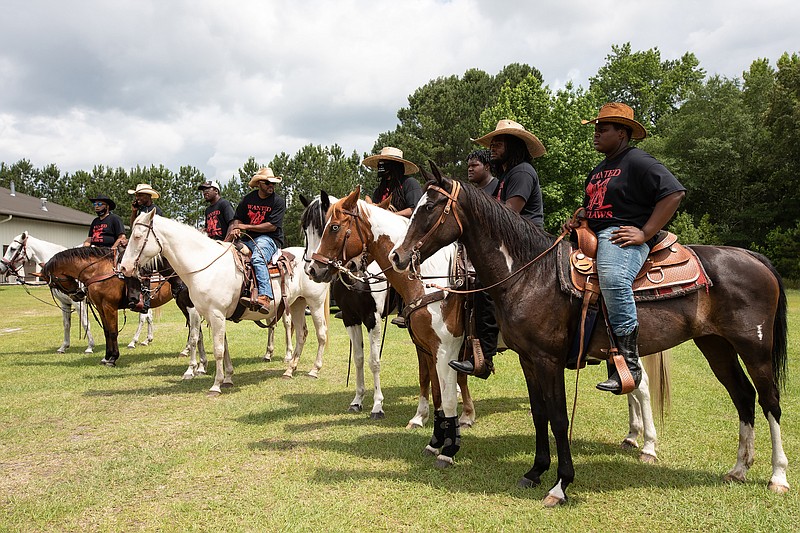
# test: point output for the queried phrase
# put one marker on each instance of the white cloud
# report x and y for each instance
(208, 83)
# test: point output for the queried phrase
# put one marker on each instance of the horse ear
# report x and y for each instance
(385, 203)
(351, 201)
(324, 201)
(304, 200)
(436, 172)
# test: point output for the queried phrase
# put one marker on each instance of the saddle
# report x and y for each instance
(280, 270)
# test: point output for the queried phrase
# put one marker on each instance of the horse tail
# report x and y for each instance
(657, 366)
(779, 328)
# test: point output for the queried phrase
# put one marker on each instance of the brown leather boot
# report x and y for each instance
(264, 304)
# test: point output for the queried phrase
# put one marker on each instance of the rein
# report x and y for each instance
(338, 264)
(19, 257)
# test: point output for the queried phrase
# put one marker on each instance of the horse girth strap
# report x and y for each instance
(452, 198)
(100, 277)
(416, 305)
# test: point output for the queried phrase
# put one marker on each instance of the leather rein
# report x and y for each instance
(19, 257)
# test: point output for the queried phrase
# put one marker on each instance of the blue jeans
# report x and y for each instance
(263, 248)
(616, 269)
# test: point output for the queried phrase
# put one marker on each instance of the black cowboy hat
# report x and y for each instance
(103, 198)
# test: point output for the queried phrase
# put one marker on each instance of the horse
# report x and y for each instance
(357, 232)
(24, 247)
(89, 272)
(742, 315)
(365, 303)
(210, 270)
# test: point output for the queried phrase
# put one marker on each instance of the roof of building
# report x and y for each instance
(24, 206)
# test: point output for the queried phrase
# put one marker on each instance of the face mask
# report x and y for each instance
(383, 168)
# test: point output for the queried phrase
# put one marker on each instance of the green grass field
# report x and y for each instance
(135, 448)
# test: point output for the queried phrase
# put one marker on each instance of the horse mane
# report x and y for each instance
(313, 217)
(523, 239)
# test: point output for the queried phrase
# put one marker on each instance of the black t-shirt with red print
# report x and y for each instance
(625, 190)
(105, 232)
(256, 210)
(218, 218)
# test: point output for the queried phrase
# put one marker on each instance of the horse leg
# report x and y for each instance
(66, 320)
(758, 362)
(444, 386)
(288, 329)
(641, 420)
(228, 366)
(318, 319)
(724, 362)
(270, 351)
(216, 321)
(374, 336)
(296, 316)
(195, 338)
(467, 418)
(110, 320)
(423, 406)
(83, 313)
(357, 350)
(135, 340)
(150, 327)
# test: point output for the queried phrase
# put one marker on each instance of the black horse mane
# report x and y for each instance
(312, 216)
(523, 239)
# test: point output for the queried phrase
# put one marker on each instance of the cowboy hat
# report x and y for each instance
(390, 153)
(144, 188)
(103, 198)
(208, 184)
(509, 127)
(620, 114)
(264, 174)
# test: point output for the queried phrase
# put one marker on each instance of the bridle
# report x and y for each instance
(150, 231)
(450, 207)
(19, 257)
(339, 263)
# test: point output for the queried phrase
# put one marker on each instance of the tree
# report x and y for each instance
(653, 88)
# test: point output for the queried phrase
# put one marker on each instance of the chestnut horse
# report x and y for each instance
(742, 316)
(94, 268)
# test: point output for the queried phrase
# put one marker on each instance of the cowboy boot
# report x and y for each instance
(467, 366)
(629, 349)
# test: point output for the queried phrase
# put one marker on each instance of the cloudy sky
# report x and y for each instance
(209, 83)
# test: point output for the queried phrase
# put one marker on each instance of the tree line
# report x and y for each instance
(734, 144)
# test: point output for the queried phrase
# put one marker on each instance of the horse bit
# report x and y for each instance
(452, 198)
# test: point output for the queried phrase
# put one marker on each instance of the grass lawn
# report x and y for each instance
(135, 448)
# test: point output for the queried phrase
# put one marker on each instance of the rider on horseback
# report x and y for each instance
(144, 195)
(260, 214)
(629, 197)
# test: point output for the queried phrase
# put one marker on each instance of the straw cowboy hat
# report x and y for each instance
(104, 198)
(620, 114)
(264, 174)
(390, 153)
(144, 188)
(509, 127)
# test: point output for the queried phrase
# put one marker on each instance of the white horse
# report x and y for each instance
(214, 278)
(24, 248)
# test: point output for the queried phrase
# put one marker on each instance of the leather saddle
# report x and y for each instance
(282, 269)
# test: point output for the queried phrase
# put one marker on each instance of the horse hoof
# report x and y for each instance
(629, 444)
(379, 415)
(213, 394)
(778, 489)
(648, 458)
(187, 376)
(430, 450)
(226, 385)
(551, 501)
(183, 354)
(313, 374)
(732, 477)
(267, 359)
(354, 408)
(110, 363)
(443, 461)
(413, 425)
(103, 361)
(132, 345)
(146, 343)
(62, 350)
(525, 483)
(465, 425)
(88, 350)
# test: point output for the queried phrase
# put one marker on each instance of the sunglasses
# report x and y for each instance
(98, 203)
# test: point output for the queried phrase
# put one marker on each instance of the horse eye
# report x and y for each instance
(334, 227)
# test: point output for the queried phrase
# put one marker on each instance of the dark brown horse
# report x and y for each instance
(106, 291)
(742, 316)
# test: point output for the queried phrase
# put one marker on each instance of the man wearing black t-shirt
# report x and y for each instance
(219, 213)
(479, 171)
(144, 195)
(260, 215)
(512, 148)
(107, 229)
(630, 196)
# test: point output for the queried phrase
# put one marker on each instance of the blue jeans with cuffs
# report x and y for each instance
(262, 248)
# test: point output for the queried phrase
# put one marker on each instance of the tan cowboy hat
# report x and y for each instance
(144, 188)
(620, 114)
(264, 174)
(390, 153)
(509, 127)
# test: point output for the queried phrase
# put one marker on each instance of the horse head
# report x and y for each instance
(16, 255)
(435, 223)
(143, 245)
(343, 243)
(312, 221)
